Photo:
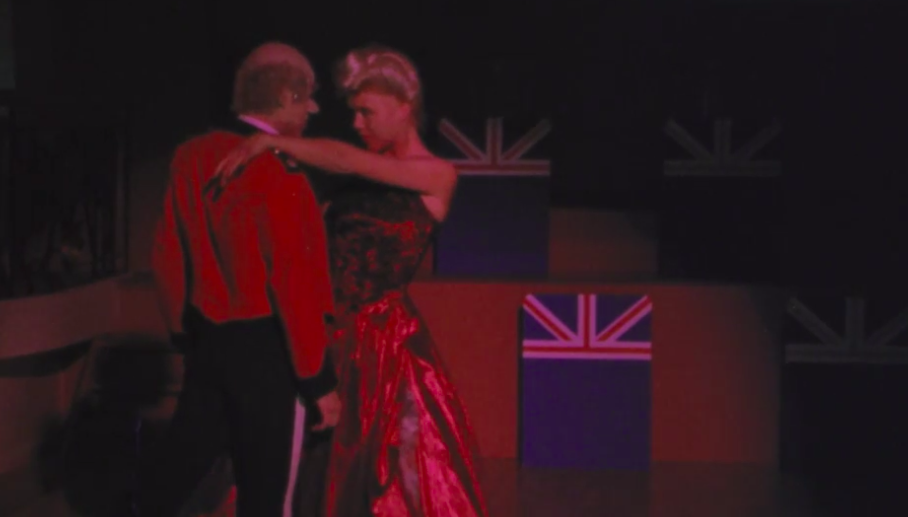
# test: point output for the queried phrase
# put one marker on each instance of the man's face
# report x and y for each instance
(293, 115)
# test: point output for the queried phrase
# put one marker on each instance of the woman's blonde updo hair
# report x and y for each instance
(383, 70)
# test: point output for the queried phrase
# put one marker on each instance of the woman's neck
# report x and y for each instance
(410, 146)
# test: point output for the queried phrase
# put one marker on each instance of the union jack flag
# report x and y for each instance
(722, 161)
(587, 326)
(494, 160)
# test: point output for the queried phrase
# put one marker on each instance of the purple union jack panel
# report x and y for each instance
(587, 326)
(586, 381)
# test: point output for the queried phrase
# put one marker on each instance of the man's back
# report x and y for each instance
(247, 272)
(256, 249)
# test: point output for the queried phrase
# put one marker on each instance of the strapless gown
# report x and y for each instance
(403, 445)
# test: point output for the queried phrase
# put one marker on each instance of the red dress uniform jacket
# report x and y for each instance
(257, 249)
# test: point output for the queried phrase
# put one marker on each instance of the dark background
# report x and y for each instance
(609, 76)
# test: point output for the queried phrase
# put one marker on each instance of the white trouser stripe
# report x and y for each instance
(296, 452)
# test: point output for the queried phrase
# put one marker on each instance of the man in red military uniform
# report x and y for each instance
(245, 289)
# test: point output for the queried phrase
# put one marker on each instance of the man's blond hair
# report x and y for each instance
(266, 73)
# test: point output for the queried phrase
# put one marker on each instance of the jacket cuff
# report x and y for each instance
(324, 382)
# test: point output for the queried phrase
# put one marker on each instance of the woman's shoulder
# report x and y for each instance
(435, 164)
(433, 159)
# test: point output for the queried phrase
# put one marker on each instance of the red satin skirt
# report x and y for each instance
(403, 445)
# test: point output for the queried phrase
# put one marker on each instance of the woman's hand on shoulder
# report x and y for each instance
(232, 165)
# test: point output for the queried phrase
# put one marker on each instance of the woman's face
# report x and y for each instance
(380, 119)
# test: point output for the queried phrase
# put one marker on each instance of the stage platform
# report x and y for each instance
(718, 373)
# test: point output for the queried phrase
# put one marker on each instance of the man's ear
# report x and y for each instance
(284, 99)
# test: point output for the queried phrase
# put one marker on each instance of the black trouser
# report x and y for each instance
(313, 475)
(239, 396)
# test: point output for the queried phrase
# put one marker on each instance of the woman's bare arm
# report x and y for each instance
(428, 175)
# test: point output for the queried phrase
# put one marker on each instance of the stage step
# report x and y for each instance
(49, 505)
(18, 489)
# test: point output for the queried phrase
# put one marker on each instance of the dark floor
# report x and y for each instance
(676, 490)
(680, 490)
(838, 484)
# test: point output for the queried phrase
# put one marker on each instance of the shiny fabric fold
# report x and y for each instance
(403, 446)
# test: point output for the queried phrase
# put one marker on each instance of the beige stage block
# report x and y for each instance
(589, 244)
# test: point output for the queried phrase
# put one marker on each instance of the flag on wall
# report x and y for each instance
(498, 223)
(585, 381)
(733, 182)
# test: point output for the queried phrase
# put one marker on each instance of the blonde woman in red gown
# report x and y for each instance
(403, 445)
